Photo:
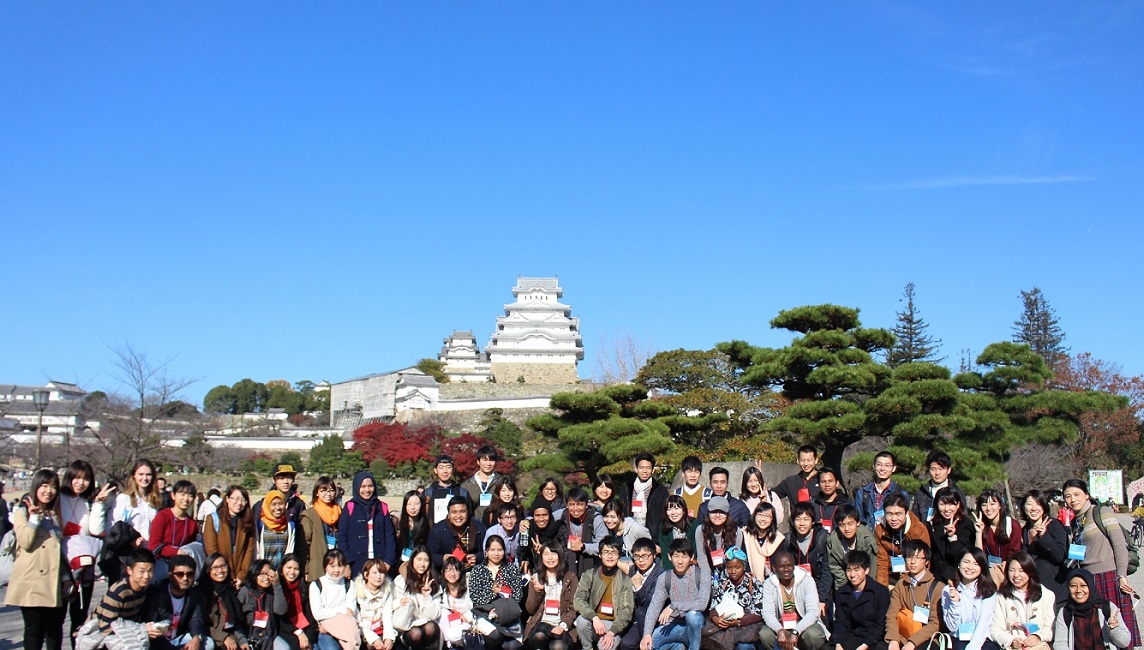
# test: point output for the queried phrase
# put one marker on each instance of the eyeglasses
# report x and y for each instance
(609, 553)
(183, 574)
(326, 491)
(642, 556)
(219, 568)
(268, 574)
(508, 515)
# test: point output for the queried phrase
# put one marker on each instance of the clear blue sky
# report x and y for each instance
(315, 191)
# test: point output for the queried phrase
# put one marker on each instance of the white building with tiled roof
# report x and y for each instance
(537, 340)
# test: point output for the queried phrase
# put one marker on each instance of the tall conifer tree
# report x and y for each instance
(912, 343)
(1039, 328)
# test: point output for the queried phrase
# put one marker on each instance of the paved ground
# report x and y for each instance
(12, 624)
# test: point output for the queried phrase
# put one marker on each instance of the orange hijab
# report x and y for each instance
(276, 525)
(329, 513)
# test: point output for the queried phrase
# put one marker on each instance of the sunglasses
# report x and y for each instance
(183, 574)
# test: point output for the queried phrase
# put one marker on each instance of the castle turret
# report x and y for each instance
(537, 339)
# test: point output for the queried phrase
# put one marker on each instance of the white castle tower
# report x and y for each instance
(537, 339)
(463, 359)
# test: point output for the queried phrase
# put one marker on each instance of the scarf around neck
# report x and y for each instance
(276, 525)
(329, 513)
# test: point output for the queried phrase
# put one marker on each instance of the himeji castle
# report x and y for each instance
(536, 341)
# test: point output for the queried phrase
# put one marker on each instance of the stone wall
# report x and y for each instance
(535, 373)
(464, 421)
(490, 390)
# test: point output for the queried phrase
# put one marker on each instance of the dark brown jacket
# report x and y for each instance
(217, 540)
(534, 604)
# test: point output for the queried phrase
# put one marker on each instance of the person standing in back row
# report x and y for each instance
(442, 490)
(803, 486)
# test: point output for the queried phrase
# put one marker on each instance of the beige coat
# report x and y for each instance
(36, 570)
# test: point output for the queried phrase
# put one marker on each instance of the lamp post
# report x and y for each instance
(40, 400)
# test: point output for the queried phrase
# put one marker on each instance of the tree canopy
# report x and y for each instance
(911, 340)
(1040, 328)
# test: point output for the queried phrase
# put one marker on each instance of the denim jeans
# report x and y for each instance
(327, 642)
(685, 634)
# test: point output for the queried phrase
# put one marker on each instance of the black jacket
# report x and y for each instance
(817, 557)
(862, 619)
(443, 541)
(157, 607)
(655, 506)
(923, 500)
(947, 554)
(790, 486)
(1049, 554)
(829, 511)
(644, 595)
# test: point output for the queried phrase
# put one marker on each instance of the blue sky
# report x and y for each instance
(295, 190)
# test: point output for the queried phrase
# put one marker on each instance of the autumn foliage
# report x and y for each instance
(400, 445)
(1103, 435)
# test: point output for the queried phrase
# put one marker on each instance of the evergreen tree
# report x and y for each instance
(1039, 328)
(911, 342)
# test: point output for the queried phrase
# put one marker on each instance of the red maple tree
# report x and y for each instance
(1102, 433)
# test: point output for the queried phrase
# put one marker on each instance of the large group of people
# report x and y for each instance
(620, 566)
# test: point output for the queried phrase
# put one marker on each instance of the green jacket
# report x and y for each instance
(835, 551)
(590, 592)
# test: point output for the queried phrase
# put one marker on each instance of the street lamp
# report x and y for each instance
(40, 400)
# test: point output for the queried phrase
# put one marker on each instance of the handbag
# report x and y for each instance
(472, 641)
(403, 616)
(940, 641)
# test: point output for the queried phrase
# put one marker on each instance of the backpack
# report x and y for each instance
(1133, 551)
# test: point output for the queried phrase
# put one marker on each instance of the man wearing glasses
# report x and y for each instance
(172, 599)
(645, 573)
(604, 600)
(508, 527)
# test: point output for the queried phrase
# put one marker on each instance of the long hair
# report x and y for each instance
(728, 534)
(246, 516)
(747, 474)
(1030, 568)
(1002, 523)
(605, 480)
(252, 574)
(985, 585)
(1041, 499)
(412, 531)
(769, 532)
(462, 584)
(667, 525)
(555, 484)
(414, 581)
(153, 496)
(45, 477)
(552, 546)
(79, 469)
(323, 481)
(950, 497)
(205, 583)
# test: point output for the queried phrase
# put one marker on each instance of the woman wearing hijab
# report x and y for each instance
(365, 531)
(1087, 621)
(275, 531)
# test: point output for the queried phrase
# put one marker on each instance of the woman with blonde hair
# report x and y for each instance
(140, 499)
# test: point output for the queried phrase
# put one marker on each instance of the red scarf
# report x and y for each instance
(294, 609)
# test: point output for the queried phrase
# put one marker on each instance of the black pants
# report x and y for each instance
(499, 641)
(78, 608)
(43, 626)
(542, 638)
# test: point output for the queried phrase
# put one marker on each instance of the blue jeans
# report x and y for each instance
(327, 642)
(685, 634)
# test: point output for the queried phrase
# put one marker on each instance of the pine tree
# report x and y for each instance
(912, 343)
(1039, 328)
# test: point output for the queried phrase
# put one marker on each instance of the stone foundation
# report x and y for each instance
(535, 373)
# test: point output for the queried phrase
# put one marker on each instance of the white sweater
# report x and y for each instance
(139, 515)
(375, 607)
(333, 597)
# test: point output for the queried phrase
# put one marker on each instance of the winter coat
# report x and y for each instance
(866, 500)
(905, 596)
(1010, 614)
(534, 603)
(216, 539)
(654, 504)
(836, 549)
(590, 591)
(890, 545)
(443, 541)
(816, 558)
(863, 618)
(1049, 554)
(37, 570)
(355, 538)
(947, 552)
(922, 504)
(1117, 637)
(157, 607)
(805, 601)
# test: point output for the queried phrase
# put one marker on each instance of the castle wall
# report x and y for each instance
(535, 373)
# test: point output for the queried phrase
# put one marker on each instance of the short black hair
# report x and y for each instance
(681, 545)
(612, 542)
(718, 470)
(182, 560)
(691, 463)
(856, 559)
(643, 456)
(459, 501)
(886, 454)
(487, 451)
(576, 494)
(914, 547)
(140, 556)
(644, 544)
(802, 508)
(898, 500)
(333, 555)
(847, 511)
(939, 457)
(185, 487)
(808, 449)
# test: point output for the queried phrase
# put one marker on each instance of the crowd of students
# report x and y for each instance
(626, 566)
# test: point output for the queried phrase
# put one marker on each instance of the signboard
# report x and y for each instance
(1105, 484)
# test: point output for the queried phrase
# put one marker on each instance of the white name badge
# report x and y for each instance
(637, 505)
(965, 631)
(878, 514)
(486, 499)
(921, 614)
(86, 560)
(551, 607)
(1032, 628)
(406, 554)
(440, 510)
(929, 514)
(790, 620)
(828, 525)
(1076, 552)
(897, 564)
(994, 560)
(606, 609)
